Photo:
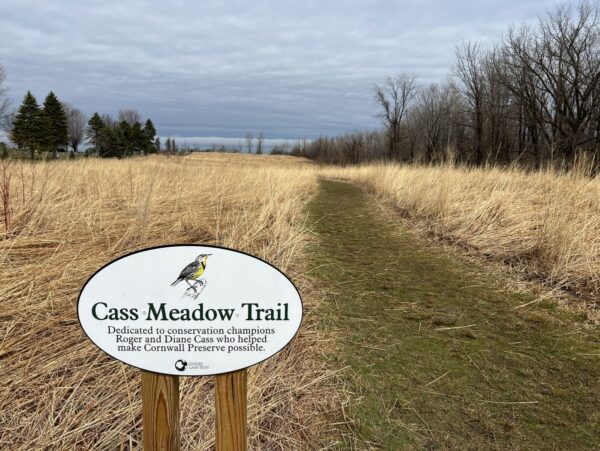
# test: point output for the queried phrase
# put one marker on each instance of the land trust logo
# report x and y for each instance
(193, 272)
(182, 365)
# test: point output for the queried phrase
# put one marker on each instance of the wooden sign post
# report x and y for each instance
(160, 411)
(231, 397)
(188, 310)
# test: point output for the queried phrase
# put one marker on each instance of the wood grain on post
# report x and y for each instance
(160, 412)
(231, 404)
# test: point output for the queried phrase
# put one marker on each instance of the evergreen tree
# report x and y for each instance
(157, 144)
(95, 132)
(112, 141)
(168, 145)
(149, 134)
(138, 139)
(27, 129)
(123, 132)
(54, 124)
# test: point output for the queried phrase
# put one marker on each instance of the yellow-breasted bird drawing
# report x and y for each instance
(193, 271)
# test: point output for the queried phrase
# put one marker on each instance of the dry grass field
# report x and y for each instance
(69, 218)
(57, 391)
(547, 223)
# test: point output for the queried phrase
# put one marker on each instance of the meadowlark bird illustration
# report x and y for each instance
(193, 271)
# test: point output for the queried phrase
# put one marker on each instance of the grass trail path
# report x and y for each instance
(438, 355)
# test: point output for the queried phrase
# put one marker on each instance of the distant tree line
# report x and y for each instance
(58, 127)
(122, 137)
(534, 99)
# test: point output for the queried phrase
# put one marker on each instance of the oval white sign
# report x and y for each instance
(190, 310)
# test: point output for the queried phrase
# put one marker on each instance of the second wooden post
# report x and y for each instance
(231, 404)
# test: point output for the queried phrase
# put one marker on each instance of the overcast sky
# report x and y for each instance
(218, 68)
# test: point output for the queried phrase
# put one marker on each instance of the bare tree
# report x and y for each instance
(413, 132)
(5, 116)
(499, 109)
(354, 143)
(130, 116)
(237, 147)
(394, 98)
(469, 74)
(76, 124)
(554, 73)
(433, 111)
(567, 62)
(248, 138)
(260, 142)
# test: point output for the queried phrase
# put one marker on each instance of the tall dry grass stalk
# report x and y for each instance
(548, 222)
(57, 390)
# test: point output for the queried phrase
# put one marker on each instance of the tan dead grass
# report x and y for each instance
(57, 390)
(546, 222)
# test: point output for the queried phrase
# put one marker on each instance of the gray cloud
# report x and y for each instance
(293, 69)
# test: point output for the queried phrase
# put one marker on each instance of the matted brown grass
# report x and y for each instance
(546, 222)
(57, 390)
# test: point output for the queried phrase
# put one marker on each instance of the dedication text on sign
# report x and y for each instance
(190, 310)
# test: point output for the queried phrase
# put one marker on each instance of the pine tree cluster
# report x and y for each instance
(121, 139)
(52, 127)
(40, 128)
